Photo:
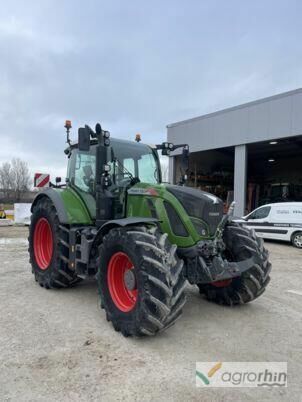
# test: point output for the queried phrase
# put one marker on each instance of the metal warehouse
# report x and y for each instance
(251, 153)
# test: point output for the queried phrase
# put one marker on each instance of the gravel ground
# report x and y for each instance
(57, 344)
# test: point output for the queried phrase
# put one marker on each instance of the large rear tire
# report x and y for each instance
(140, 280)
(241, 243)
(49, 247)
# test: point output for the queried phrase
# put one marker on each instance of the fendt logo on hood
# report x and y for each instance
(143, 191)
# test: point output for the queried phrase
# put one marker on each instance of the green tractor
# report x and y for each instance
(143, 239)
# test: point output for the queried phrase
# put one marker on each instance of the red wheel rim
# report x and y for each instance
(43, 243)
(123, 298)
(222, 284)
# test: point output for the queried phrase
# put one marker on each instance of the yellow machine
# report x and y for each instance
(2, 212)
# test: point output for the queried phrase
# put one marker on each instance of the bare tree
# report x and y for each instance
(14, 178)
(6, 179)
(20, 177)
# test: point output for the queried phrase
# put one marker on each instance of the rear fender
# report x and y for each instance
(70, 207)
(57, 201)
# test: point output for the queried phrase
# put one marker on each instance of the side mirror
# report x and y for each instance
(84, 139)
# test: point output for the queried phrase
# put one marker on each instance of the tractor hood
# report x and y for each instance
(190, 212)
(199, 204)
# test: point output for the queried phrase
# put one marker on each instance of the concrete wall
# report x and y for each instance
(240, 176)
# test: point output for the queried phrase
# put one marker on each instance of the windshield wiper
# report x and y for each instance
(123, 170)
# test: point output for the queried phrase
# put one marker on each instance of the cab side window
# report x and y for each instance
(147, 169)
(260, 213)
(129, 165)
(81, 171)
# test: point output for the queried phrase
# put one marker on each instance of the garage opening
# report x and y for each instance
(274, 172)
(211, 171)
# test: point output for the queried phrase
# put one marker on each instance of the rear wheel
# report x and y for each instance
(140, 280)
(297, 240)
(49, 247)
(241, 243)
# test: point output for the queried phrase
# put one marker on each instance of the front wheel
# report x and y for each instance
(140, 280)
(297, 240)
(241, 243)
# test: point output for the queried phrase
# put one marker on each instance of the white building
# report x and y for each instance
(251, 152)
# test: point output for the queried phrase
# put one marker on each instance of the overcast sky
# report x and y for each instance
(135, 66)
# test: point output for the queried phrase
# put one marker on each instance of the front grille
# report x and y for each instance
(199, 204)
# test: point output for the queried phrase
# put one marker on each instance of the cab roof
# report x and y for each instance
(113, 141)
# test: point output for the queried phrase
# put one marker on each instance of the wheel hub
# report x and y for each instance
(129, 279)
(298, 241)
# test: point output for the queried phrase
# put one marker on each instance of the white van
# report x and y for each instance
(280, 221)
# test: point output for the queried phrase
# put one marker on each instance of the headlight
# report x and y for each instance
(200, 227)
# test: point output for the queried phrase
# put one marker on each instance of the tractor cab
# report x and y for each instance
(102, 169)
(127, 163)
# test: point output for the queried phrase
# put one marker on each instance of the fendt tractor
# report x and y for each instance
(143, 239)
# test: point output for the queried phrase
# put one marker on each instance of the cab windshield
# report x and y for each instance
(130, 160)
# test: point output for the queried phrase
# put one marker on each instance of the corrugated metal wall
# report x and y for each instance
(270, 118)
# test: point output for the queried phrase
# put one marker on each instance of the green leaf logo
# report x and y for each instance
(211, 372)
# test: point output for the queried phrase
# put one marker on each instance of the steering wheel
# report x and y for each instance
(124, 182)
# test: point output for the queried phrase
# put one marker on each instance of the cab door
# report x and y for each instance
(81, 177)
(259, 221)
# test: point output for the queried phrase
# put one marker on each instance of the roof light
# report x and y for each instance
(271, 160)
(67, 124)
(273, 142)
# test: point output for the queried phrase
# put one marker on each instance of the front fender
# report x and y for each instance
(131, 221)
